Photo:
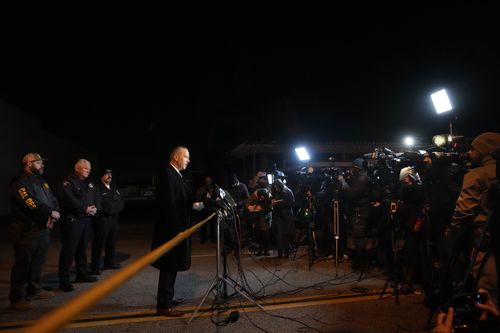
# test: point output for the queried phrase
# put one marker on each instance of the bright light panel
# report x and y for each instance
(441, 101)
(302, 154)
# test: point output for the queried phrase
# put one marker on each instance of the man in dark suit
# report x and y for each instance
(174, 199)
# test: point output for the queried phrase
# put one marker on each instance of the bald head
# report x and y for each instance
(179, 157)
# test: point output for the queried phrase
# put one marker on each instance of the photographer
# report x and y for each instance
(259, 209)
(357, 193)
(471, 213)
(488, 319)
(282, 200)
(411, 220)
(324, 218)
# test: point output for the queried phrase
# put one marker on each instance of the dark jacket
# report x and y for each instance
(174, 199)
(77, 195)
(32, 200)
(110, 200)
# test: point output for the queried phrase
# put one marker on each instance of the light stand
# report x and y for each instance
(394, 275)
(442, 104)
(336, 233)
(221, 281)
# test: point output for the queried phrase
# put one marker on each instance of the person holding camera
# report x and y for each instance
(357, 191)
(471, 213)
(488, 316)
(282, 201)
(259, 208)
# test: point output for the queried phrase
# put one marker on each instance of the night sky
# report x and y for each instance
(226, 75)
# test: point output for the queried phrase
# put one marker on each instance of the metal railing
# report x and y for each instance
(64, 314)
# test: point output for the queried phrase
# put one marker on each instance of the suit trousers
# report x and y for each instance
(166, 284)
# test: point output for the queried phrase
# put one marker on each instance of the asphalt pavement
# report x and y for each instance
(272, 295)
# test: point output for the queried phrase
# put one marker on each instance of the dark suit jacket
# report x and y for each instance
(174, 199)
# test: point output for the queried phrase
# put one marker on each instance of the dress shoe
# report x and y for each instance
(44, 294)
(113, 266)
(169, 312)
(177, 301)
(85, 278)
(95, 272)
(21, 306)
(67, 287)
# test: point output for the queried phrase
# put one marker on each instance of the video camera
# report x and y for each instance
(466, 313)
(384, 165)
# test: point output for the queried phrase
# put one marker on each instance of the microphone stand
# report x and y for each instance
(221, 280)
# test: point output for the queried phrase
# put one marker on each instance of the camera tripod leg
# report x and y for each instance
(297, 244)
(395, 291)
(312, 247)
(209, 290)
(240, 290)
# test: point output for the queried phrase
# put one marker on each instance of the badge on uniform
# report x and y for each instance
(66, 183)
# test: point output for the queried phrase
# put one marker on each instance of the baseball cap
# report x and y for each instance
(105, 171)
(32, 157)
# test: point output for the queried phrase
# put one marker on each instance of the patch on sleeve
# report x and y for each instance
(66, 183)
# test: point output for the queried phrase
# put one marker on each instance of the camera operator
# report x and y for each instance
(471, 213)
(324, 218)
(283, 219)
(411, 220)
(488, 318)
(239, 192)
(259, 209)
(357, 193)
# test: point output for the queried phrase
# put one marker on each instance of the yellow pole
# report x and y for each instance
(65, 313)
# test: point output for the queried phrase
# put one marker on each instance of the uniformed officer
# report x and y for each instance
(78, 203)
(34, 211)
(106, 224)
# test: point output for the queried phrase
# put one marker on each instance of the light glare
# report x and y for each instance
(409, 141)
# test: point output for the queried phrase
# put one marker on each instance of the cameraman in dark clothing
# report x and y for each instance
(106, 224)
(410, 218)
(34, 211)
(324, 217)
(357, 193)
(239, 192)
(259, 209)
(283, 219)
(78, 203)
(208, 189)
(471, 213)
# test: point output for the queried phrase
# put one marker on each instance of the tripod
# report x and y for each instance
(221, 281)
(308, 235)
(336, 233)
(394, 273)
